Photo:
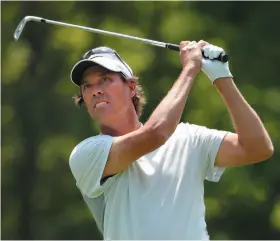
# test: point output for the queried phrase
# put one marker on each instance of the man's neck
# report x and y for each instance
(121, 126)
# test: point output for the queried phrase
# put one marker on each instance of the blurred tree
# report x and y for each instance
(41, 125)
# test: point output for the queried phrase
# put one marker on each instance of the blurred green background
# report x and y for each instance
(41, 125)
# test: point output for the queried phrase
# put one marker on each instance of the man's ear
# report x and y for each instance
(132, 88)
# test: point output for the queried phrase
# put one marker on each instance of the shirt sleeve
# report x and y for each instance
(209, 142)
(87, 162)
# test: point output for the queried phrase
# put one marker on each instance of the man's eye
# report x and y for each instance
(105, 79)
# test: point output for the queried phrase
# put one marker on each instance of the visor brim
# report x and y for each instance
(80, 67)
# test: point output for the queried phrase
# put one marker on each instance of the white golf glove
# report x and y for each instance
(214, 69)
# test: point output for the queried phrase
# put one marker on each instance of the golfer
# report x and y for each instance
(145, 180)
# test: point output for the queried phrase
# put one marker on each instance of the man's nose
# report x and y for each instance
(97, 91)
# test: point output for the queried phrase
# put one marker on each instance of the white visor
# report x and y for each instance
(108, 61)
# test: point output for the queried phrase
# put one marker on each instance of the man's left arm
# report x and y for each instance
(251, 142)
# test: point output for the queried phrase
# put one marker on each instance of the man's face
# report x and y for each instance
(105, 94)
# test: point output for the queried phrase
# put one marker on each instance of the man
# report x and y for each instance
(146, 181)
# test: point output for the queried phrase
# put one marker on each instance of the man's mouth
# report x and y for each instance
(103, 103)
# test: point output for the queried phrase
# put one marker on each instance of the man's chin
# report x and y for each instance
(103, 117)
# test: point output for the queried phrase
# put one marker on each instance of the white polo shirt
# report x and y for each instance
(160, 196)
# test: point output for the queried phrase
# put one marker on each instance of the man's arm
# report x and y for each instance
(163, 121)
(251, 143)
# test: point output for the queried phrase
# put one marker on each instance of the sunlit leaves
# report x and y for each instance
(275, 215)
(8, 113)
(182, 25)
(16, 61)
(51, 150)
(70, 38)
(271, 100)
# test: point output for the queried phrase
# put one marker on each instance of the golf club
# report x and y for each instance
(222, 57)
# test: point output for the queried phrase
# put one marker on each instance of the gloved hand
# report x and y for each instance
(214, 69)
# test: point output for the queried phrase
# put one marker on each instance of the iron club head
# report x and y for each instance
(22, 24)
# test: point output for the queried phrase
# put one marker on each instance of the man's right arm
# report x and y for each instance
(128, 148)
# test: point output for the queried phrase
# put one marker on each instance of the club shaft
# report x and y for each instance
(157, 43)
(222, 57)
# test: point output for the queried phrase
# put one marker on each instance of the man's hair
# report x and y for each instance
(138, 100)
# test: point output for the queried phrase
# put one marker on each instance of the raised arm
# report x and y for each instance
(251, 142)
(163, 121)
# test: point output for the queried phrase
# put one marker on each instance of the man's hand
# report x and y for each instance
(191, 56)
(212, 68)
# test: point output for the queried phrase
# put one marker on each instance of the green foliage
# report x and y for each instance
(41, 125)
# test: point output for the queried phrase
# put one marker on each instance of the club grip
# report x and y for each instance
(223, 57)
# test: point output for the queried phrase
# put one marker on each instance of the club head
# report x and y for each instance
(22, 24)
